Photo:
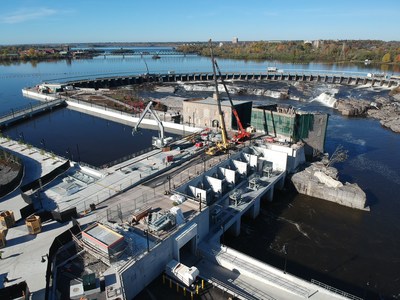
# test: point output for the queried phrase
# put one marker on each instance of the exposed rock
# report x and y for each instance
(322, 182)
(352, 107)
(382, 109)
(388, 114)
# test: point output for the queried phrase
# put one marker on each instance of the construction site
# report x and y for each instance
(164, 212)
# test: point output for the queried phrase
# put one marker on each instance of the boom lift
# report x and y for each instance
(159, 141)
(242, 134)
(222, 146)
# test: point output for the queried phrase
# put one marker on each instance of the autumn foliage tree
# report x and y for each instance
(386, 58)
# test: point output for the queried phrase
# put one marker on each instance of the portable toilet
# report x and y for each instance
(7, 219)
(34, 224)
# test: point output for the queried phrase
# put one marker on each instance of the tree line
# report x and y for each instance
(303, 51)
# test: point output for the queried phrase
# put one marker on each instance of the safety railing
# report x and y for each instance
(335, 290)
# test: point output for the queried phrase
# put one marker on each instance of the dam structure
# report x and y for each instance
(304, 76)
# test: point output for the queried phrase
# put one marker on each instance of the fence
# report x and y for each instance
(335, 290)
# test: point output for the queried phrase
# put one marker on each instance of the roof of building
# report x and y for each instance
(103, 234)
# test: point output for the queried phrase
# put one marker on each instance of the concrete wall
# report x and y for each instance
(137, 275)
(37, 96)
(251, 159)
(109, 113)
(278, 159)
(215, 183)
(203, 114)
(230, 175)
(317, 135)
(241, 166)
(295, 154)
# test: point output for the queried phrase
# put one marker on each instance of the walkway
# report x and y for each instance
(30, 111)
(248, 278)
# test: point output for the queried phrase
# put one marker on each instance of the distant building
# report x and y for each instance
(235, 40)
(317, 43)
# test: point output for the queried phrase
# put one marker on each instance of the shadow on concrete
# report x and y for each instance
(21, 239)
(51, 225)
(12, 255)
(33, 169)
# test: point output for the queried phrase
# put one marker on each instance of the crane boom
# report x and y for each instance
(221, 116)
(242, 134)
(161, 141)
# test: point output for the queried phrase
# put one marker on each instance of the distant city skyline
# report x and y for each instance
(90, 21)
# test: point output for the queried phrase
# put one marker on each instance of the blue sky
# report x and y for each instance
(51, 21)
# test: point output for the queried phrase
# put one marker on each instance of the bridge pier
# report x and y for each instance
(235, 228)
(281, 183)
(349, 80)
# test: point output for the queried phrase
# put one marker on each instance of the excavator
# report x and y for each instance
(161, 140)
(242, 134)
(221, 146)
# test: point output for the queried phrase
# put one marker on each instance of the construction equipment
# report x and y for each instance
(223, 145)
(242, 134)
(184, 274)
(159, 141)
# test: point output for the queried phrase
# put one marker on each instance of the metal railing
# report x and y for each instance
(335, 290)
(230, 289)
(29, 108)
(127, 157)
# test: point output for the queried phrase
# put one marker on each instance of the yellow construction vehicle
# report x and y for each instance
(221, 146)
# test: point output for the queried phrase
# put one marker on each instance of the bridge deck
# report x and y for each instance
(28, 112)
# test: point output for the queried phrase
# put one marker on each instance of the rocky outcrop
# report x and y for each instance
(353, 108)
(320, 181)
(388, 114)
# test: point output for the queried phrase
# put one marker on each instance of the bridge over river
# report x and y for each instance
(158, 52)
(309, 76)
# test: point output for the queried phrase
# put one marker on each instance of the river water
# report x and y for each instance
(353, 250)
